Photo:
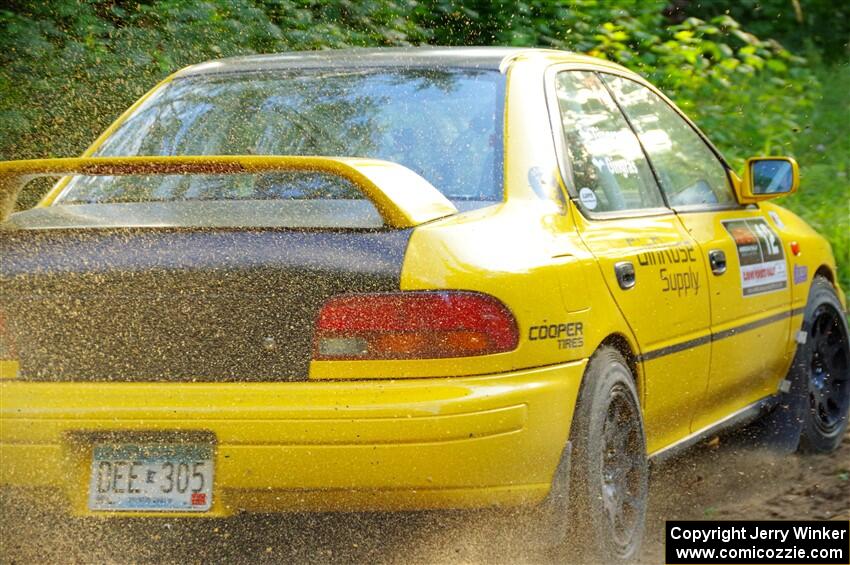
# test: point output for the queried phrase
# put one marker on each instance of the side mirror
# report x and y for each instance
(768, 177)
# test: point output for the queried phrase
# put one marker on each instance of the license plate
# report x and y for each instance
(151, 477)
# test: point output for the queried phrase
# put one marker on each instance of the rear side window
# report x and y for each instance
(688, 170)
(609, 170)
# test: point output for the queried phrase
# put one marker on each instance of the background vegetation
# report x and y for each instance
(759, 76)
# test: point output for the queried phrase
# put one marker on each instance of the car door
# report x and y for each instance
(650, 264)
(750, 293)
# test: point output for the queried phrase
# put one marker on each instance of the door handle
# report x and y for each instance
(625, 272)
(717, 261)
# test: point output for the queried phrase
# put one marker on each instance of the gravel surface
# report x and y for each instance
(722, 479)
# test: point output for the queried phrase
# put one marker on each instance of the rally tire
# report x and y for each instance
(609, 468)
(823, 365)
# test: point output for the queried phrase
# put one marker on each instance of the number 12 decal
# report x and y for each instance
(760, 255)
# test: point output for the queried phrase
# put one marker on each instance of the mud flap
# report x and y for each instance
(780, 429)
(552, 525)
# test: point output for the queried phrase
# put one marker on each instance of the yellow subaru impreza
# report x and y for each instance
(405, 279)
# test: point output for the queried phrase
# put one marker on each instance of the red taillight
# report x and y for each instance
(414, 325)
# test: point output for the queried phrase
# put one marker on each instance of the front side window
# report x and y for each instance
(688, 170)
(444, 124)
(609, 170)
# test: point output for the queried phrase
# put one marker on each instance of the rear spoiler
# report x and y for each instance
(403, 198)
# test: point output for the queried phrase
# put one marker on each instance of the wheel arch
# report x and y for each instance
(622, 344)
(826, 272)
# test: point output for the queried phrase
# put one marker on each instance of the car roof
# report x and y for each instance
(495, 58)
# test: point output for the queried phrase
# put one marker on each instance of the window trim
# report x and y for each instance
(565, 170)
(564, 166)
(688, 208)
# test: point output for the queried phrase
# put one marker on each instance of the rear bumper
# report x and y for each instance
(364, 445)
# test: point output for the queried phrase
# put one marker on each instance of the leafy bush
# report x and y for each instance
(819, 26)
(824, 154)
(749, 94)
(69, 67)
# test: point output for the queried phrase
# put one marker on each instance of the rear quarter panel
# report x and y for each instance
(529, 261)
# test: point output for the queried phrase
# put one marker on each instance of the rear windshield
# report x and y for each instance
(443, 124)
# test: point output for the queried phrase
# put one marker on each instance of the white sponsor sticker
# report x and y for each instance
(760, 256)
(776, 219)
(587, 198)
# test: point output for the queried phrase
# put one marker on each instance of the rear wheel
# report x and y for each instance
(609, 470)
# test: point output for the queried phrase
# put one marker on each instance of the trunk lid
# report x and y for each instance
(181, 304)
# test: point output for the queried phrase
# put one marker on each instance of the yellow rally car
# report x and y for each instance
(405, 279)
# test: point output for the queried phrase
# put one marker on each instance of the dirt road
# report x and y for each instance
(724, 480)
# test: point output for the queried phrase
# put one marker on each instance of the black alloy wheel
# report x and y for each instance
(609, 476)
(828, 371)
(623, 457)
(822, 369)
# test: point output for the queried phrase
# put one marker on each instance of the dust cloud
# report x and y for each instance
(725, 479)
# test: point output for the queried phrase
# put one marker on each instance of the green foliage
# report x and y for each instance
(69, 67)
(822, 26)
(716, 71)
(823, 150)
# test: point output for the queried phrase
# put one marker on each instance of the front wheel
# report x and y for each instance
(824, 366)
